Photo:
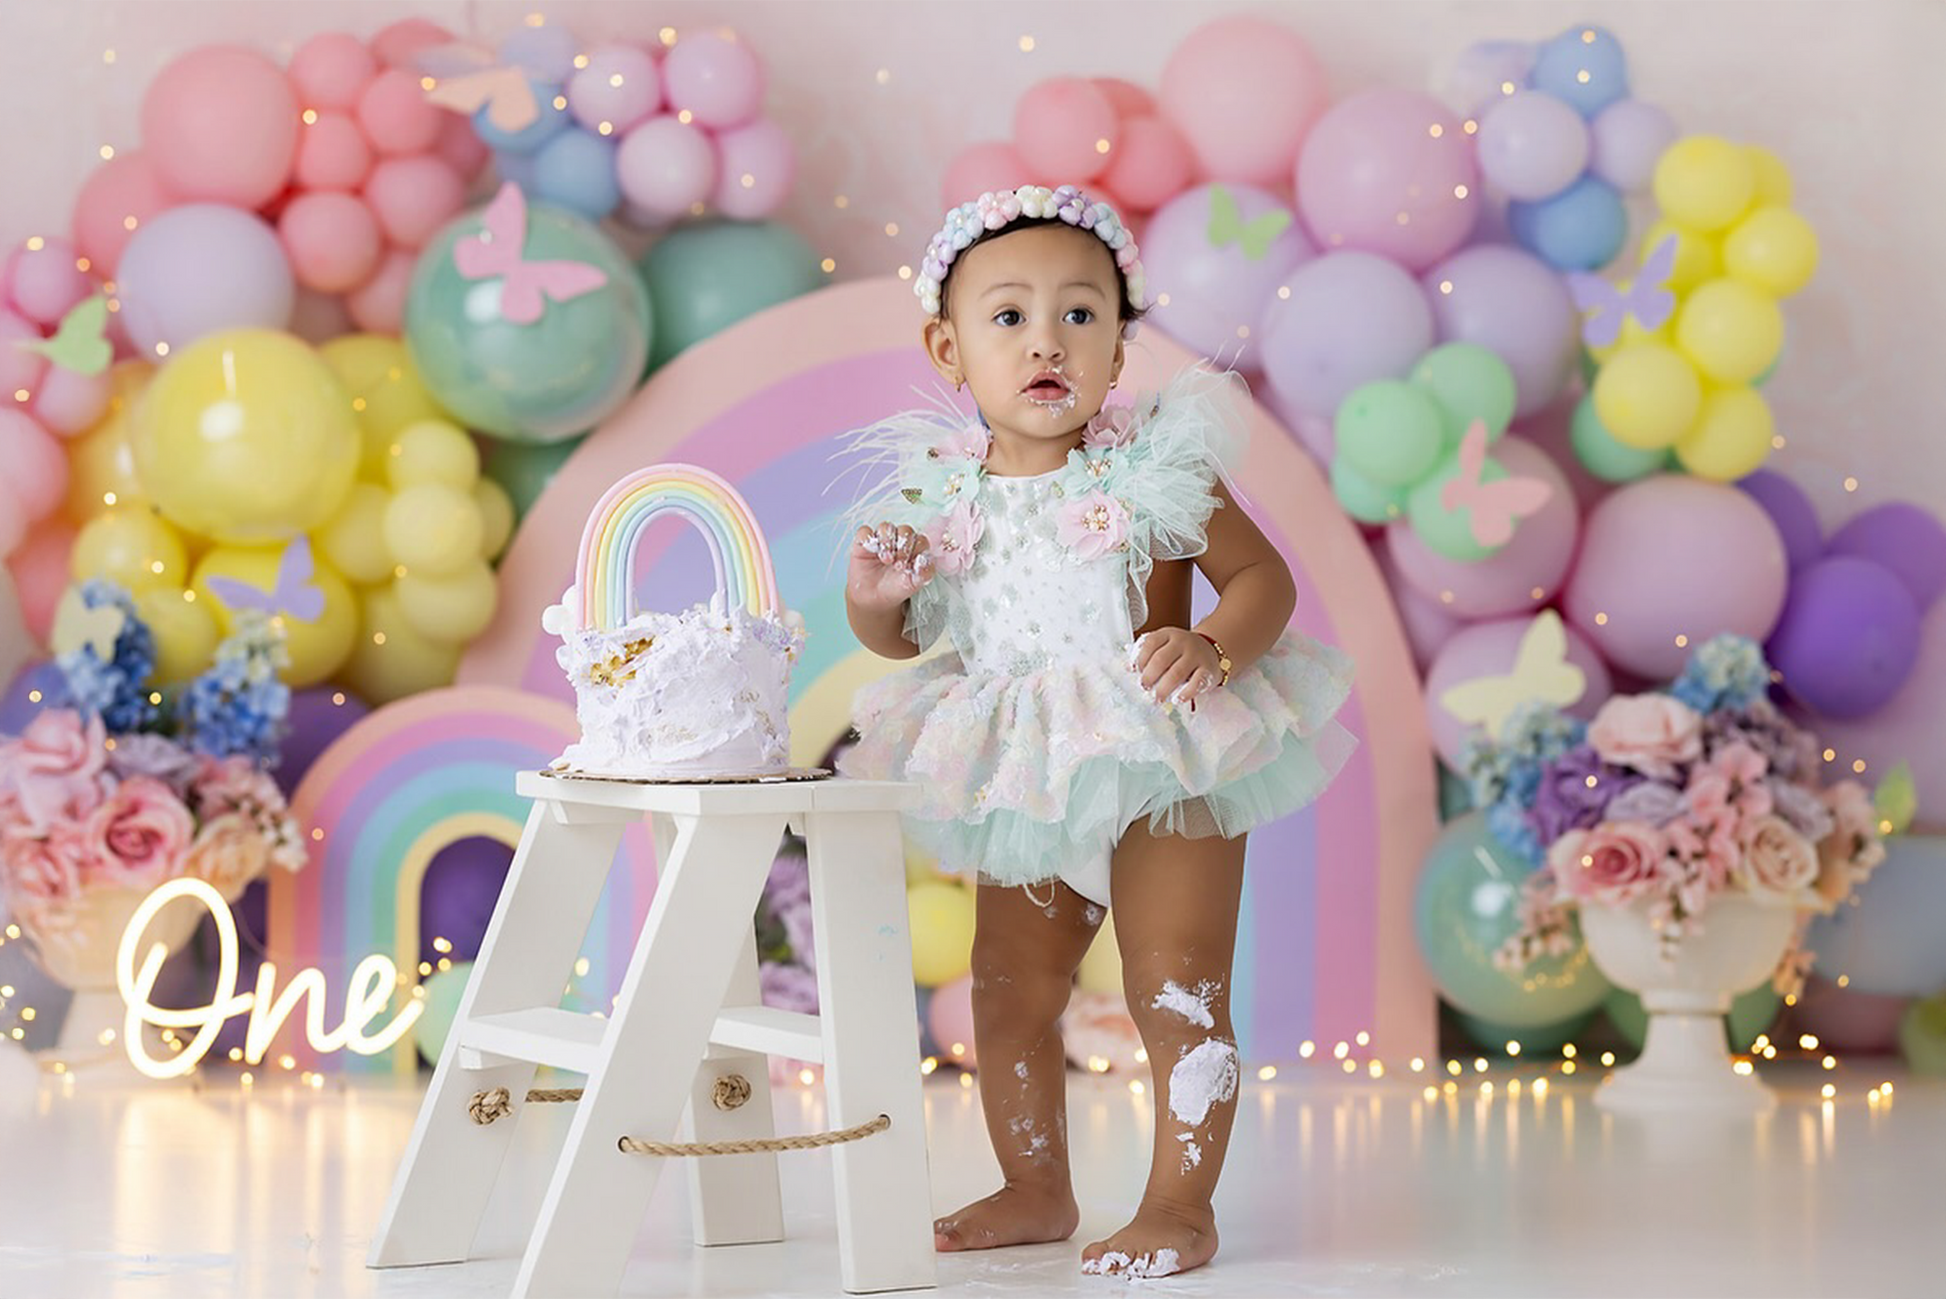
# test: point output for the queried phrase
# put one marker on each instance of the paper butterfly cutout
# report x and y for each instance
(77, 625)
(1227, 226)
(294, 594)
(1541, 672)
(1648, 299)
(466, 78)
(1896, 800)
(78, 345)
(497, 251)
(1494, 507)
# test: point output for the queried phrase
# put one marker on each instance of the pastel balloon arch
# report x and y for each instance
(1326, 948)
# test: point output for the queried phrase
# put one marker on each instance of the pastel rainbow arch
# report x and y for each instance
(744, 573)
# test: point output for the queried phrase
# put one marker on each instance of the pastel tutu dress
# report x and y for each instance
(1032, 742)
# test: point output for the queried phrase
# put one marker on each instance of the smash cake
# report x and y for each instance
(700, 694)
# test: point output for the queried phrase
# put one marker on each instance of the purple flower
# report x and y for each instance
(1575, 791)
(143, 754)
(788, 986)
(797, 932)
(1650, 802)
(789, 883)
(1801, 808)
(1791, 751)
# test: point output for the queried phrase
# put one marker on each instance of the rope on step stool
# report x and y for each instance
(731, 1091)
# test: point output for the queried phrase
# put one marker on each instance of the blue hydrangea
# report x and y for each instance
(238, 705)
(1725, 671)
(1508, 822)
(118, 689)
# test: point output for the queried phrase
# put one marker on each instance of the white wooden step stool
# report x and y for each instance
(688, 1013)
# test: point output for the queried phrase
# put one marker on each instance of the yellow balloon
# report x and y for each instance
(246, 437)
(353, 540)
(1773, 249)
(942, 932)
(496, 517)
(454, 608)
(385, 392)
(390, 660)
(1704, 182)
(185, 633)
(101, 467)
(433, 529)
(1730, 330)
(1647, 395)
(1101, 968)
(130, 545)
(432, 451)
(1697, 257)
(1731, 437)
(920, 866)
(317, 646)
(1773, 177)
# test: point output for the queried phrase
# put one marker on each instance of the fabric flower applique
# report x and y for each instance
(1092, 525)
(1112, 426)
(970, 441)
(952, 538)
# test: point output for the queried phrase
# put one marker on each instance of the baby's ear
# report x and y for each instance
(942, 348)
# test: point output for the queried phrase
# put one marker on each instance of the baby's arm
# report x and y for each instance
(886, 567)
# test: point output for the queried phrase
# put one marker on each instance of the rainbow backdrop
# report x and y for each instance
(406, 781)
(603, 568)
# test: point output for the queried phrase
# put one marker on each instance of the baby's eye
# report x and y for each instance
(1080, 316)
(1008, 318)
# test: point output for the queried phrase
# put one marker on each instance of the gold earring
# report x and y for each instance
(959, 384)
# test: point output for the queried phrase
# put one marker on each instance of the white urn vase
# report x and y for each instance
(1686, 987)
(78, 948)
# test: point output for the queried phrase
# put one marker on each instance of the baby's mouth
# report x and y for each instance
(1047, 387)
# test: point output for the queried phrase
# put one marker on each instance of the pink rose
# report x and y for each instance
(1112, 426)
(971, 441)
(1853, 849)
(953, 536)
(1651, 733)
(43, 868)
(53, 771)
(1092, 525)
(1776, 858)
(1615, 862)
(228, 853)
(234, 784)
(138, 836)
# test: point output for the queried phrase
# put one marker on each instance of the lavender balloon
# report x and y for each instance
(1903, 537)
(1219, 253)
(1351, 318)
(1847, 638)
(1629, 135)
(316, 719)
(1791, 510)
(1517, 307)
(1479, 77)
(1532, 145)
(199, 269)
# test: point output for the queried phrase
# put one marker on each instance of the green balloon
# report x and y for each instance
(1449, 532)
(1750, 1014)
(704, 278)
(1455, 795)
(1922, 1035)
(1468, 382)
(524, 469)
(443, 991)
(1466, 907)
(1540, 1039)
(540, 381)
(1601, 455)
(1362, 498)
(1390, 432)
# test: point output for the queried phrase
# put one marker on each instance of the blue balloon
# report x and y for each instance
(520, 168)
(1579, 229)
(551, 119)
(576, 170)
(1584, 66)
(1890, 944)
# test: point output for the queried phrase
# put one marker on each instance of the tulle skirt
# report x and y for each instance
(1020, 777)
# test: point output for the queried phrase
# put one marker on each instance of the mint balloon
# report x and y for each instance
(1363, 499)
(1468, 382)
(1750, 1014)
(1446, 531)
(1390, 432)
(704, 278)
(524, 469)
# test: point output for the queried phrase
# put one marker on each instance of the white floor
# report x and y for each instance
(1336, 1186)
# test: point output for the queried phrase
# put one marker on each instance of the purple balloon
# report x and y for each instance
(1517, 307)
(1791, 510)
(1351, 318)
(199, 269)
(456, 899)
(317, 717)
(18, 709)
(1906, 539)
(1532, 145)
(1847, 638)
(545, 52)
(1478, 78)
(1200, 251)
(1629, 136)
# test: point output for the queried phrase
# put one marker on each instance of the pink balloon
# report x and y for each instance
(1390, 172)
(378, 305)
(199, 269)
(1314, 434)
(116, 198)
(462, 150)
(1060, 127)
(1244, 92)
(950, 1017)
(1909, 728)
(44, 283)
(1428, 624)
(220, 123)
(413, 197)
(756, 166)
(620, 85)
(1670, 556)
(1151, 164)
(332, 153)
(1125, 97)
(1520, 577)
(988, 167)
(37, 465)
(1488, 649)
(715, 77)
(331, 239)
(666, 167)
(21, 370)
(1517, 307)
(1550, 429)
(1350, 318)
(1216, 290)
(68, 403)
(330, 69)
(396, 116)
(14, 522)
(398, 45)
(40, 571)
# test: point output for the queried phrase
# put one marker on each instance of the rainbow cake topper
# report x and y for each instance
(744, 574)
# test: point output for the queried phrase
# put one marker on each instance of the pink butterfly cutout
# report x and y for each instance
(497, 251)
(294, 594)
(466, 77)
(1494, 506)
(1648, 299)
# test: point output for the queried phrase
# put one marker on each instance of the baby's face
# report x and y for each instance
(1034, 326)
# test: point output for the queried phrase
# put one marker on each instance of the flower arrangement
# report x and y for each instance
(121, 785)
(1674, 798)
(787, 962)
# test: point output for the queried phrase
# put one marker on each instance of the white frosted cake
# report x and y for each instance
(701, 694)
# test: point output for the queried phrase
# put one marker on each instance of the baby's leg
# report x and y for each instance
(1176, 915)
(1025, 954)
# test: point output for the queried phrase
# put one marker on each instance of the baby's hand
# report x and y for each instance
(887, 566)
(1176, 665)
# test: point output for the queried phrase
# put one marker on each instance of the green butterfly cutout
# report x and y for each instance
(1227, 226)
(1895, 800)
(78, 345)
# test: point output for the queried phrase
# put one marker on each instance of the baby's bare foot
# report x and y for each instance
(1019, 1214)
(1161, 1239)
